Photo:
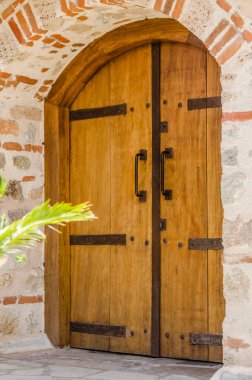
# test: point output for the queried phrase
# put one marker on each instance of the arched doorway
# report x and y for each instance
(139, 136)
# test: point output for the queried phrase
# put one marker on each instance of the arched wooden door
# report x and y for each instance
(146, 276)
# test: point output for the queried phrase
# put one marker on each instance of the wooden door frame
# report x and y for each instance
(57, 105)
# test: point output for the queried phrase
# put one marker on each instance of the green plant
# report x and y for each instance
(26, 232)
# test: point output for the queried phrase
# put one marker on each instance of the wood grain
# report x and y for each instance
(130, 302)
(57, 264)
(215, 212)
(183, 272)
(111, 45)
(63, 93)
(112, 285)
(90, 178)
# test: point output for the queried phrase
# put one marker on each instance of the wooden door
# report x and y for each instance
(146, 276)
(111, 258)
(192, 305)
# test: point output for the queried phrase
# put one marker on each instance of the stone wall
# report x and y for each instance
(37, 41)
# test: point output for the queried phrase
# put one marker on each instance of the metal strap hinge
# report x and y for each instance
(198, 339)
(204, 103)
(205, 244)
(164, 126)
(98, 329)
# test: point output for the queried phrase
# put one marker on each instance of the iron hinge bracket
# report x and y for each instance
(163, 224)
(205, 244)
(198, 339)
(164, 126)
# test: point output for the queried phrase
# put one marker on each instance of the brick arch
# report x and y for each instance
(39, 43)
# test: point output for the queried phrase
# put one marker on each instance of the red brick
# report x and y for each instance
(9, 300)
(237, 20)
(237, 116)
(247, 35)
(158, 5)
(33, 148)
(8, 11)
(48, 81)
(73, 7)
(178, 9)
(60, 38)
(224, 40)
(30, 43)
(36, 37)
(43, 89)
(82, 18)
(4, 75)
(28, 178)
(168, 6)
(8, 127)
(65, 9)
(219, 29)
(81, 3)
(30, 299)
(12, 146)
(26, 80)
(23, 23)
(13, 83)
(58, 45)
(32, 20)
(48, 40)
(39, 97)
(230, 51)
(224, 5)
(16, 31)
(235, 343)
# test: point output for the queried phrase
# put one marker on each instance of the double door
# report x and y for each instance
(146, 275)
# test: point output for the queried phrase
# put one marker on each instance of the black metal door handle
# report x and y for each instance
(141, 194)
(167, 153)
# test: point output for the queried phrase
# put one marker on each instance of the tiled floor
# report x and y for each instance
(80, 364)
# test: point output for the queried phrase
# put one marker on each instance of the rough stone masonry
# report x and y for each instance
(38, 39)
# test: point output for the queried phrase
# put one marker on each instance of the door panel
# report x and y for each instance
(184, 306)
(215, 212)
(90, 177)
(131, 264)
(112, 284)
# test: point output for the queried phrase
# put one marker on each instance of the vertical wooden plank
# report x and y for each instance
(215, 211)
(90, 181)
(155, 322)
(130, 302)
(184, 306)
(57, 264)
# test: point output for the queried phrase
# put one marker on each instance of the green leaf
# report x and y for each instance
(3, 185)
(26, 232)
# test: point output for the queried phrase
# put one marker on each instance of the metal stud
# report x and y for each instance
(132, 238)
(145, 330)
(148, 105)
(180, 105)
(132, 109)
(180, 245)
(167, 335)
(182, 336)
(165, 241)
(165, 101)
(132, 333)
(146, 242)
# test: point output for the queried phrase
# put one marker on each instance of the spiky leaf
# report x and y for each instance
(26, 232)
